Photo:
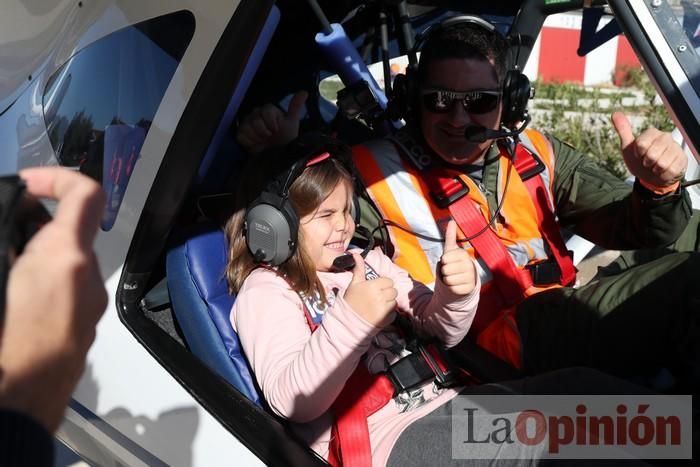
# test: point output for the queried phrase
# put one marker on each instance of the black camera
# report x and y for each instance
(21, 215)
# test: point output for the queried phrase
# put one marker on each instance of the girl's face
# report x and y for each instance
(327, 231)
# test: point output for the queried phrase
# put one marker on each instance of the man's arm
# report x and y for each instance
(269, 126)
(602, 208)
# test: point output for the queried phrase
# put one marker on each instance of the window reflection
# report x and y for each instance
(99, 105)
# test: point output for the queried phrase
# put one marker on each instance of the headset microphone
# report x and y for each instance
(346, 262)
(479, 134)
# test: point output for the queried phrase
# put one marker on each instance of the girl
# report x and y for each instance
(303, 372)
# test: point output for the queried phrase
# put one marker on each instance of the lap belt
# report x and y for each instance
(364, 394)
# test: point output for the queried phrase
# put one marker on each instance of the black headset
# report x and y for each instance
(405, 100)
(271, 226)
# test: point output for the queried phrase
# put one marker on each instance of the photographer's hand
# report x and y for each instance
(55, 297)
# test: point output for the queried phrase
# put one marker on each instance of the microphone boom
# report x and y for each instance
(479, 134)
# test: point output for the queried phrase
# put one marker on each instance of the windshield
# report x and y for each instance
(665, 35)
(680, 26)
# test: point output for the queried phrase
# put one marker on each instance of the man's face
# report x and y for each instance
(444, 132)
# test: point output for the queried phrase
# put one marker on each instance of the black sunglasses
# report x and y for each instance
(475, 102)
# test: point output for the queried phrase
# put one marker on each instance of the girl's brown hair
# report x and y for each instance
(306, 194)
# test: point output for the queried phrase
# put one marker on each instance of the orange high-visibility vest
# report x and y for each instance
(401, 194)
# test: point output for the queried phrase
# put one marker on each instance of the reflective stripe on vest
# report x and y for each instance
(402, 196)
(390, 182)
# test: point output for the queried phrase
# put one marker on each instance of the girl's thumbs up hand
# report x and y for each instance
(373, 300)
(456, 267)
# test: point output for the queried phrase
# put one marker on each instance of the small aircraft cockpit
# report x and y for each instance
(147, 99)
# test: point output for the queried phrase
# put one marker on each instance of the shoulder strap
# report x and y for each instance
(529, 166)
(451, 192)
(362, 395)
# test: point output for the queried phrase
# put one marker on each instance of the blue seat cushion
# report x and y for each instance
(202, 304)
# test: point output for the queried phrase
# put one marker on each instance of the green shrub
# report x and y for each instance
(329, 89)
(558, 109)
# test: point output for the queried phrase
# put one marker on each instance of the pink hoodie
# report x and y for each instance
(301, 374)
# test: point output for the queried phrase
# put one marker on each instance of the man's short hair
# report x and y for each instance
(464, 40)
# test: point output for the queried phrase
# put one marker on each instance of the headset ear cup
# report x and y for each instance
(403, 97)
(516, 94)
(293, 222)
(412, 103)
(399, 97)
(271, 233)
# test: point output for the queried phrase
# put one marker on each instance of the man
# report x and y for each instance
(630, 324)
(55, 298)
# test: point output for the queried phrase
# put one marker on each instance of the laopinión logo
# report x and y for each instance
(572, 427)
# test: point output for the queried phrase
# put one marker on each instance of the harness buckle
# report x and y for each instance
(544, 273)
(440, 364)
(409, 373)
(449, 192)
(419, 367)
(529, 167)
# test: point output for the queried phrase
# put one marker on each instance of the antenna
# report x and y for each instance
(325, 24)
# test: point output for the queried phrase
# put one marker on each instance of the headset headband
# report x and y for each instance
(307, 150)
(271, 224)
(297, 168)
(423, 37)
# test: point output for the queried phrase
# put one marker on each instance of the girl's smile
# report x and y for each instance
(325, 233)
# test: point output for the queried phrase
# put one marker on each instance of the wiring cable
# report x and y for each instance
(384, 223)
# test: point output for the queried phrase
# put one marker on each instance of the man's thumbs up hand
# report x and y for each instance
(653, 157)
(456, 267)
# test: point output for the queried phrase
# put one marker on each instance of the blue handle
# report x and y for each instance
(346, 61)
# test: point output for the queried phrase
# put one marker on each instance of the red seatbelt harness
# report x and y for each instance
(528, 165)
(362, 395)
(510, 281)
